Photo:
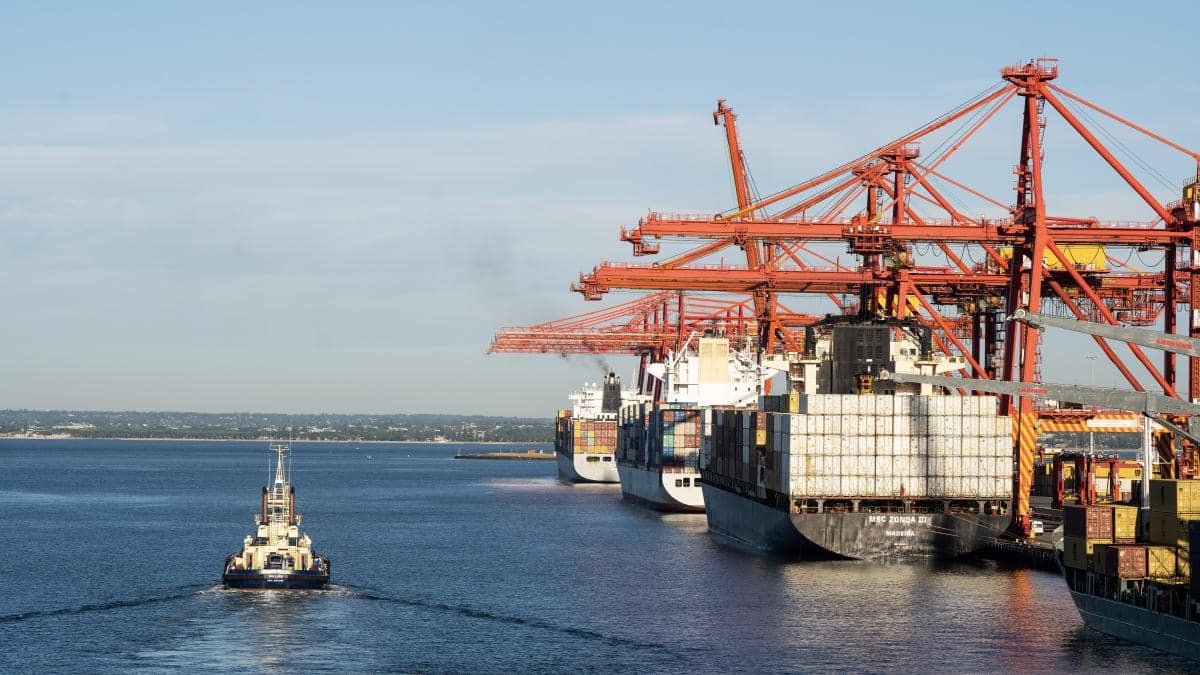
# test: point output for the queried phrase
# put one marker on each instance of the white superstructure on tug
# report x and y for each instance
(277, 554)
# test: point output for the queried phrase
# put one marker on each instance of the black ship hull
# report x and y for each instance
(859, 536)
(270, 580)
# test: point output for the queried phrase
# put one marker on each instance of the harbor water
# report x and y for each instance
(113, 549)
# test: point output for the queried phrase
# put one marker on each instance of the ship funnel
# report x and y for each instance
(611, 402)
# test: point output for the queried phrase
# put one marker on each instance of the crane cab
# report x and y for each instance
(1191, 199)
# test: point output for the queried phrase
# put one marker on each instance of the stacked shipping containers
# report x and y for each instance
(868, 446)
(733, 442)
(665, 434)
(1101, 538)
(597, 437)
(1174, 506)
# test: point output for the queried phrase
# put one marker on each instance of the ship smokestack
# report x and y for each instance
(263, 515)
(611, 402)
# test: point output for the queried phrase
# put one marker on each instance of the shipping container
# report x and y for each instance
(1125, 523)
(1088, 522)
(1076, 551)
(1170, 529)
(1175, 496)
(1127, 561)
(1161, 562)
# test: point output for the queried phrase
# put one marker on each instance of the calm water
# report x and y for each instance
(112, 551)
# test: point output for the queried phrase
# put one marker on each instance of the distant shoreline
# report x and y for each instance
(263, 440)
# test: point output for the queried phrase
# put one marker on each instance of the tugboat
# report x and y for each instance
(277, 555)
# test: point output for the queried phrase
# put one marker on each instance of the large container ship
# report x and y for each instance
(1130, 570)
(585, 437)
(835, 470)
(659, 443)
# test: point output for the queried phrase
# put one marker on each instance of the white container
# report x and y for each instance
(812, 424)
(815, 404)
(884, 446)
(812, 444)
(1003, 426)
(902, 406)
(850, 404)
(969, 447)
(901, 426)
(859, 465)
(884, 405)
(885, 466)
(970, 423)
(953, 425)
(833, 404)
(833, 465)
(919, 406)
(918, 446)
(832, 424)
(866, 405)
(953, 405)
(883, 425)
(797, 486)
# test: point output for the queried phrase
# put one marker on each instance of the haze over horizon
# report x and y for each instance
(293, 207)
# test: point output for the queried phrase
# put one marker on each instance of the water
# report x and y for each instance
(111, 551)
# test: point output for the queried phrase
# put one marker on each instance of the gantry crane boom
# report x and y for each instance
(1176, 344)
(1149, 403)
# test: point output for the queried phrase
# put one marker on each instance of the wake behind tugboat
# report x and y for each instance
(277, 555)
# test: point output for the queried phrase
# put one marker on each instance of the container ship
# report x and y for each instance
(833, 469)
(585, 437)
(277, 555)
(1130, 570)
(659, 443)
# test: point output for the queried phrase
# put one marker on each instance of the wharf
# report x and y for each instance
(1037, 554)
(529, 455)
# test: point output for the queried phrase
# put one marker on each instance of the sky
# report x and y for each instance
(331, 207)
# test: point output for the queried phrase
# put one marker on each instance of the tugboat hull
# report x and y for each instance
(262, 580)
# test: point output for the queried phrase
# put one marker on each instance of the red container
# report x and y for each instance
(1126, 561)
(1088, 522)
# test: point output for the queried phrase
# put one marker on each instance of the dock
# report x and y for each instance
(528, 455)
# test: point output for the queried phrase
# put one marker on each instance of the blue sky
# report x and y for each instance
(309, 207)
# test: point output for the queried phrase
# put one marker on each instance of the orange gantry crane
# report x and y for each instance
(916, 247)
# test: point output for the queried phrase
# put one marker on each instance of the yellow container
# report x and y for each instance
(1161, 562)
(760, 437)
(1175, 496)
(792, 403)
(1183, 563)
(1125, 522)
(1170, 529)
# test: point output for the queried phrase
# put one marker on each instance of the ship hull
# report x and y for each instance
(263, 580)
(1158, 630)
(655, 489)
(577, 468)
(860, 536)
